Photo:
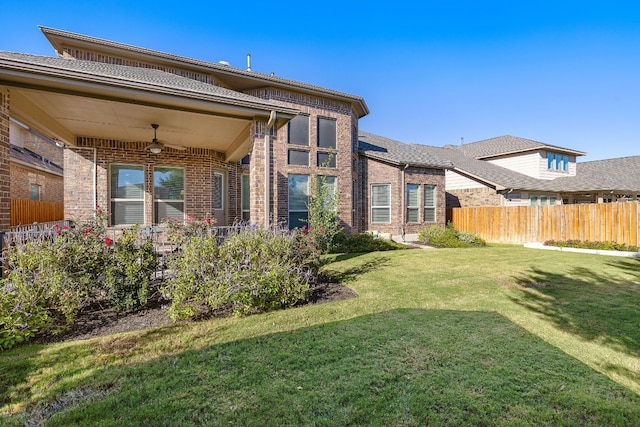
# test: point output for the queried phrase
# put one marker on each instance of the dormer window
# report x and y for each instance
(557, 162)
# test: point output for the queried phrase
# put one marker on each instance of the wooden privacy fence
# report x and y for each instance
(612, 222)
(24, 211)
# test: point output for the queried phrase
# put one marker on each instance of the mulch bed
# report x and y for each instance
(96, 321)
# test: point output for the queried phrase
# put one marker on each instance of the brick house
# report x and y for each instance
(230, 143)
(35, 166)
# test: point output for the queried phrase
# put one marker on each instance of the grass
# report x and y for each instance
(493, 336)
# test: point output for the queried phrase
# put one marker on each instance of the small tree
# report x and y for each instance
(323, 222)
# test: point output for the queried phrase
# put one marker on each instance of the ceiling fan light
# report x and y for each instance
(155, 148)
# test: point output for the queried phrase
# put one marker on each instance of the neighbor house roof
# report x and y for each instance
(618, 174)
(26, 157)
(508, 144)
(238, 78)
(398, 153)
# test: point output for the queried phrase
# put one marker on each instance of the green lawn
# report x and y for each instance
(492, 336)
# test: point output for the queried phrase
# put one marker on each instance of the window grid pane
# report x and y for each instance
(245, 208)
(429, 203)
(412, 203)
(218, 186)
(327, 160)
(326, 133)
(381, 203)
(298, 157)
(168, 193)
(298, 199)
(127, 194)
(299, 130)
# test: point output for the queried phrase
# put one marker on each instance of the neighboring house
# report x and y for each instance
(35, 166)
(232, 143)
(513, 171)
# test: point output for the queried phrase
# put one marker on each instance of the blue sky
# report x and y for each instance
(561, 72)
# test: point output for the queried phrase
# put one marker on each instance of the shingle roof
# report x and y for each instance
(508, 144)
(26, 156)
(125, 75)
(399, 153)
(210, 65)
(620, 174)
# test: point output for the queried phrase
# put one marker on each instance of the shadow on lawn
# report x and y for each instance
(401, 367)
(588, 303)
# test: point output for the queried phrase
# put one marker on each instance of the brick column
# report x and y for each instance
(5, 175)
(256, 174)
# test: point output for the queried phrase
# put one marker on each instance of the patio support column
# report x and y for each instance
(5, 151)
(257, 169)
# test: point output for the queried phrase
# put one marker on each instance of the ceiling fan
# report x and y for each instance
(156, 147)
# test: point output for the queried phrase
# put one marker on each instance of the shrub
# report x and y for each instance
(129, 270)
(448, 237)
(586, 244)
(252, 270)
(364, 242)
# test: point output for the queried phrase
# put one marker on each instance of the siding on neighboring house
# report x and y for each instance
(526, 163)
(455, 181)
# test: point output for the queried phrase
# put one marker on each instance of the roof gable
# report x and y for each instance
(508, 144)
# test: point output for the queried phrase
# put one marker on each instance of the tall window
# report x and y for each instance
(218, 191)
(127, 194)
(168, 193)
(298, 200)
(381, 203)
(244, 189)
(429, 203)
(413, 210)
(35, 192)
(326, 133)
(299, 130)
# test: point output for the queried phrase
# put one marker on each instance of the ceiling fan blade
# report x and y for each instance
(175, 147)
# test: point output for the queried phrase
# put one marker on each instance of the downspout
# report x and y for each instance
(267, 167)
(403, 195)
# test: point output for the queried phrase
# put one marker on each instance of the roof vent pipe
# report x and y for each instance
(248, 62)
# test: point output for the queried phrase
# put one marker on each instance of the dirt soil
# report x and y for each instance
(96, 321)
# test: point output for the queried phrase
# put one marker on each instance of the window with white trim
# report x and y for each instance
(126, 194)
(412, 201)
(168, 193)
(381, 203)
(429, 203)
(298, 200)
(245, 196)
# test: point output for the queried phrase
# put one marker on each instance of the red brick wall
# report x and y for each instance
(315, 107)
(473, 197)
(198, 164)
(22, 177)
(376, 172)
(5, 173)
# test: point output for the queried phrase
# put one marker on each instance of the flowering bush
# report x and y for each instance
(50, 279)
(179, 230)
(252, 270)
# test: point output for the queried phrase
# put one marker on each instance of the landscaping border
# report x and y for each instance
(584, 251)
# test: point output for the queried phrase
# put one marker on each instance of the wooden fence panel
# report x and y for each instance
(24, 211)
(615, 222)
